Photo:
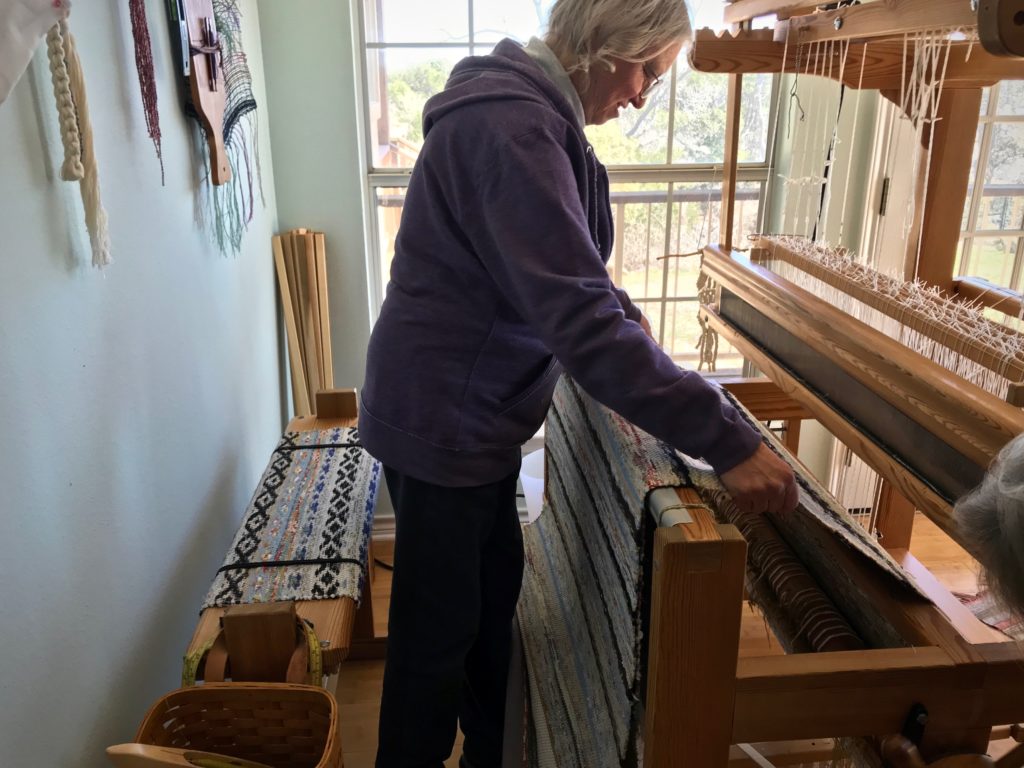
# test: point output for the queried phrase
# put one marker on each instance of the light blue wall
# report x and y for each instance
(138, 405)
(318, 169)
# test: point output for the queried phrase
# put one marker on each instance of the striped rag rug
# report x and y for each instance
(306, 530)
(990, 611)
(580, 611)
(580, 606)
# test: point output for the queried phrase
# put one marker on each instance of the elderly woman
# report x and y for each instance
(498, 284)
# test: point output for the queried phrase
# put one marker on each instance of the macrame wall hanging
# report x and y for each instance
(23, 23)
(76, 135)
(218, 96)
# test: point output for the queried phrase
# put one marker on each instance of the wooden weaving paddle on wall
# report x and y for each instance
(206, 81)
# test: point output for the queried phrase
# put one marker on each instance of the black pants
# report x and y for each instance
(458, 571)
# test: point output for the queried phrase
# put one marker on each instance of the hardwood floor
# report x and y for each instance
(358, 684)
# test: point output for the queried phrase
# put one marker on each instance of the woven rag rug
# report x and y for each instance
(306, 531)
(580, 610)
(990, 611)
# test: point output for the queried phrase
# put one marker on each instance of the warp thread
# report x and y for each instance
(962, 339)
(707, 344)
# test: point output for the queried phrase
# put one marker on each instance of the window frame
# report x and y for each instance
(663, 173)
(987, 122)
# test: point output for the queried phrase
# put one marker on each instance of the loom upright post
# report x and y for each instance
(942, 188)
(696, 603)
(730, 163)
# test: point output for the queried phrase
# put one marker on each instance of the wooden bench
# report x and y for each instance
(344, 631)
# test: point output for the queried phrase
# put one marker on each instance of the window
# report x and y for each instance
(664, 161)
(992, 240)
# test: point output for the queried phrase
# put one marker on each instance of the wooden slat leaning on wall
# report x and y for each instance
(300, 257)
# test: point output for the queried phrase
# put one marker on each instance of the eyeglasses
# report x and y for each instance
(651, 81)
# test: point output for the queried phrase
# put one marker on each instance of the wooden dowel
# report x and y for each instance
(731, 160)
(312, 312)
(288, 241)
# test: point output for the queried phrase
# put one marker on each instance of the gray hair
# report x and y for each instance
(594, 31)
(991, 518)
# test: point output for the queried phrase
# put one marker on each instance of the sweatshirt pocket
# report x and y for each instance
(532, 389)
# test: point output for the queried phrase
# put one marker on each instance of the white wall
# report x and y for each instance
(139, 404)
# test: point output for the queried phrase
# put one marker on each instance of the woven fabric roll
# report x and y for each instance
(580, 610)
(580, 606)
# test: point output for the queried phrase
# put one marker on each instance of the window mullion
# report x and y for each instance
(978, 192)
(665, 265)
(672, 110)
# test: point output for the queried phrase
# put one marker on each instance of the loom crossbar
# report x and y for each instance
(922, 495)
(937, 463)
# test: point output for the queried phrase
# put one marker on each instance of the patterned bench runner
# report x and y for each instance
(306, 531)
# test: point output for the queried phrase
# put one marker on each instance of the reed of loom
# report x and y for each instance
(300, 259)
(967, 675)
(985, 351)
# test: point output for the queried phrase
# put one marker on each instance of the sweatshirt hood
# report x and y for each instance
(506, 74)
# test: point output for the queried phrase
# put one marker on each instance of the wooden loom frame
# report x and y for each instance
(872, 30)
(702, 696)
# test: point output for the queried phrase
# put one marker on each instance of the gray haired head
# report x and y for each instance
(586, 33)
(991, 518)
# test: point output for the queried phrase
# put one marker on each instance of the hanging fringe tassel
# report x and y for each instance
(147, 79)
(707, 344)
(76, 135)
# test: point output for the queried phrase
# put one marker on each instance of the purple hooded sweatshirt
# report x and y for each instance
(499, 282)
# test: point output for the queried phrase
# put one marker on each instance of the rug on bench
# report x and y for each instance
(306, 530)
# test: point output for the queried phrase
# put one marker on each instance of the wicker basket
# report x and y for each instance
(282, 725)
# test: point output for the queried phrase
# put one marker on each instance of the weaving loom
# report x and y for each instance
(304, 541)
(909, 375)
(627, 668)
(921, 387)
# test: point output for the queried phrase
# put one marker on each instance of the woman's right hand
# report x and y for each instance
(762, 483)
